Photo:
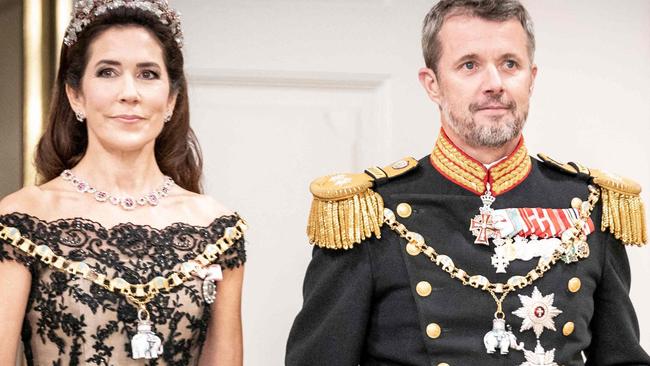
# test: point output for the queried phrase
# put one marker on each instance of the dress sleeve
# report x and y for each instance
(235, 256)
(10, 253)
(614, 326)
(331, 327)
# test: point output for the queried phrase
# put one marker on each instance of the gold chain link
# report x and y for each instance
(139, 294)
(516, 282)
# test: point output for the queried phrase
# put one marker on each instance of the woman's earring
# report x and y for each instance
(167, 118)
(80, 116)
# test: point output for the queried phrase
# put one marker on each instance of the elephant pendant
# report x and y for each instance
(145, 344)
(500, 338)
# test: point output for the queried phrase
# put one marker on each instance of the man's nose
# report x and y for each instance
(493, 83)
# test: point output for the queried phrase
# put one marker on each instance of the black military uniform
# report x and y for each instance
(384, 301)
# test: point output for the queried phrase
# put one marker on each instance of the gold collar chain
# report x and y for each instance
(573, 248)
(138, 294)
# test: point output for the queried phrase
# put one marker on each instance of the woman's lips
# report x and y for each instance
(128, 118)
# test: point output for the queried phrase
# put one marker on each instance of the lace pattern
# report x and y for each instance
(71, 321)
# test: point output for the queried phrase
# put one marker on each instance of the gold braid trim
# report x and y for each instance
(341, 224)
(623, 211)
(345, 210)
(506, 181)
(457, 173)
(448, 159)
(512, 163)
(459, 158)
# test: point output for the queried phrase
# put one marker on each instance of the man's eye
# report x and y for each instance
(469, 65)
(149, 75)
(106, 73)
(511, 64)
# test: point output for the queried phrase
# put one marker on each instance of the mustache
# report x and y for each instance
(496, 101)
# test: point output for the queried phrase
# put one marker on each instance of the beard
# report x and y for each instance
(500, 129)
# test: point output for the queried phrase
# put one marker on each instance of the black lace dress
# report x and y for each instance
(72, 321)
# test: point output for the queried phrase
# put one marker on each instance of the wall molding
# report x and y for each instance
(300, 79)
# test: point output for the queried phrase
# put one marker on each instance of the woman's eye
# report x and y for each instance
(469, 65)
(106, 73)
(149, 75)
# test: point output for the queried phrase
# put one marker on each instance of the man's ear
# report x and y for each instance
(533, 75)
(430, 84)
(75, 98)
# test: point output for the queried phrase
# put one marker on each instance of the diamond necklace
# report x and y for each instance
(126, 202)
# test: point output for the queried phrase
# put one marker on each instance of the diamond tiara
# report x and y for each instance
(86, 11)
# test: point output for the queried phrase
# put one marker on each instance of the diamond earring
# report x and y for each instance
(167, 118)
(80, 116)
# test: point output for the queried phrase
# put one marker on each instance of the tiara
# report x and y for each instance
(86, 11)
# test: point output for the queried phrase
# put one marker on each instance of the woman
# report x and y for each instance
(122, 268)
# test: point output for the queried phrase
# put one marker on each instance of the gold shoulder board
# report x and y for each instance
(345, 210)
(623, 211)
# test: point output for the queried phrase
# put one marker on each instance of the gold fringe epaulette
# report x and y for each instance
(345, 210)
(623, 211)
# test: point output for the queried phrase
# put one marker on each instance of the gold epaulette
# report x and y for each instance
(345, 210)
(623, 212)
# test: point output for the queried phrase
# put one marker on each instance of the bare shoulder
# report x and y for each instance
(203, 207)
(33, 200)
(25, 200)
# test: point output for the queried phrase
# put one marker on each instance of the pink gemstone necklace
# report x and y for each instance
(126, 202)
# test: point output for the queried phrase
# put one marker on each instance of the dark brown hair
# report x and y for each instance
(65, 140)
(496, 10)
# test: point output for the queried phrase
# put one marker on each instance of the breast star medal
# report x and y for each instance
(539, 357)
(537, 311)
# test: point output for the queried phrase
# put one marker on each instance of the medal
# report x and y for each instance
(482, 225)
(210, 276)
(145, 344)
(500, 338)
(539, 357)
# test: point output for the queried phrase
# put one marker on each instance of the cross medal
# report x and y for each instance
(482, 225)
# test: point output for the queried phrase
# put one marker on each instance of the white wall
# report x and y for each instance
(264, 73)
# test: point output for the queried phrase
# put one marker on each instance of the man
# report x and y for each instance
(476, 254)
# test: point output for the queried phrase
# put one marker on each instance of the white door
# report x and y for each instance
(283, 91)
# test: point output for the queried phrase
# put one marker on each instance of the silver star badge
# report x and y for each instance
(539, 357)
(537, 311)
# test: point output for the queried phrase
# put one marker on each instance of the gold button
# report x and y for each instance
(568, 328)
(412, 249)
(404, 210)
(423, 288)
(433, 330)
(574, 284)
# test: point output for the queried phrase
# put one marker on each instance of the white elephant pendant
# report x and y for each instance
(500, 338)
(145, 344)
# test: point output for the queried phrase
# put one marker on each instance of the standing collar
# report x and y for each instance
(472, 175)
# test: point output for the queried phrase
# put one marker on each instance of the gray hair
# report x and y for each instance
(495, 10)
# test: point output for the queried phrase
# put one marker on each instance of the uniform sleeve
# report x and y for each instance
(337, 292)
(614, 326)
